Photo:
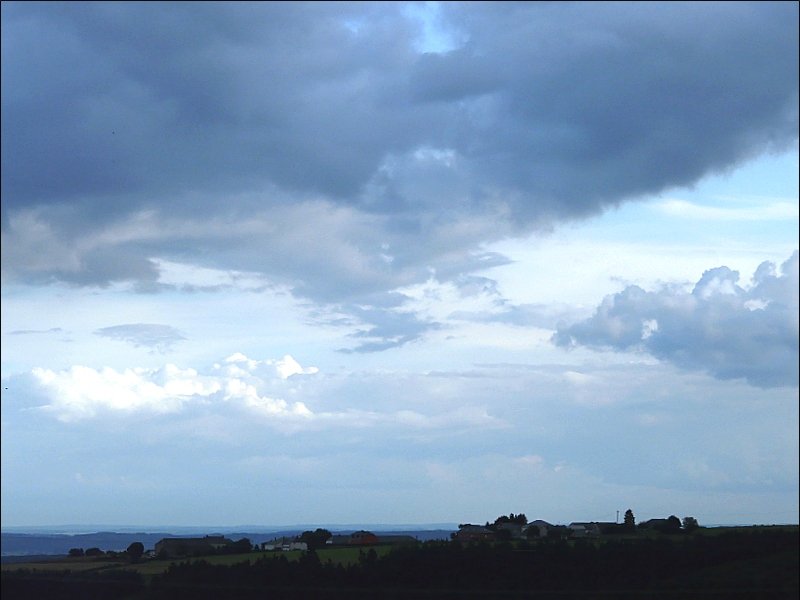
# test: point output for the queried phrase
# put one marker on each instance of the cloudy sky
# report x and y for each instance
(399, 262)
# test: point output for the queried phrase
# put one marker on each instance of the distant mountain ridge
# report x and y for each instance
(44, 542)
(70, 529)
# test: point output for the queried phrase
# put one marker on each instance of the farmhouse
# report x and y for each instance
(514, 529)
(538, 528)
(288, 547)
(581, 530)
(654, 524)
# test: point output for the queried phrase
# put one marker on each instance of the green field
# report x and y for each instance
(341, 556)
(67, 564)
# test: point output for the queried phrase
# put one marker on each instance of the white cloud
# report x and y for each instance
(288, 366)
(718, 326)
(239, 383)
(766, 211)
(83, 392)
(240, 365)
(191, 277)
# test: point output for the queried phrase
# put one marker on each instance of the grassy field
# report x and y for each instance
(67, 564)
(343, 556)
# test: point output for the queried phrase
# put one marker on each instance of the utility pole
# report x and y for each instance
(617, 518)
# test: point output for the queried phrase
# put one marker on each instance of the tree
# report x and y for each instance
(94, 552)
(690, 524)
(76, 551)
(519, 519)
(135, 551)
(629, 522)
(673, 524)
(316, 539)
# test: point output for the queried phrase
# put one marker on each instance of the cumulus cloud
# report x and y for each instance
(341, 161)
(150, 335)
(719, 326)
(237, 387)
(83, 392)
(283, 368)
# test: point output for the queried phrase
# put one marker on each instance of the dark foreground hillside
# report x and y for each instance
(761, 563)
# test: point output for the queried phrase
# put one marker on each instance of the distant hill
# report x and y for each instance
(21, 544)
(226, 529)
(46, 543)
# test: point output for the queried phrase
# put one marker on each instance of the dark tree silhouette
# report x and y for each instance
(629, 521)
(690, 524)
(315, 539)
(135, 551)
(673, 524)
(520, 519)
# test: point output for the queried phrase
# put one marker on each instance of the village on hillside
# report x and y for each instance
(504, 528)
(309, 540)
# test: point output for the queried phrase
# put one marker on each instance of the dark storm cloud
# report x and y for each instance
(561, 107)
(314, 144)
(719, 327)
(107, 98)
(154, 336)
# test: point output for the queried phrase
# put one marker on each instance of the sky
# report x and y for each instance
(404, 263)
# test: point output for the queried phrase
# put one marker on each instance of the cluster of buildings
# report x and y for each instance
(543, 529)
(535, 529)
(516, 531)
(215, 544)
(357, 538)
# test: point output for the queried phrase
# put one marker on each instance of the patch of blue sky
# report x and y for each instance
(434, 36)
(754, 205)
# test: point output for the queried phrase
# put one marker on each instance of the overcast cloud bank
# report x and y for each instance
(341, 159)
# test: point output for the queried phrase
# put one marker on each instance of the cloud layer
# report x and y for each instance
(720, 327)
(372, 444)
(238, 386)
(316, 144)
(157, 337)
